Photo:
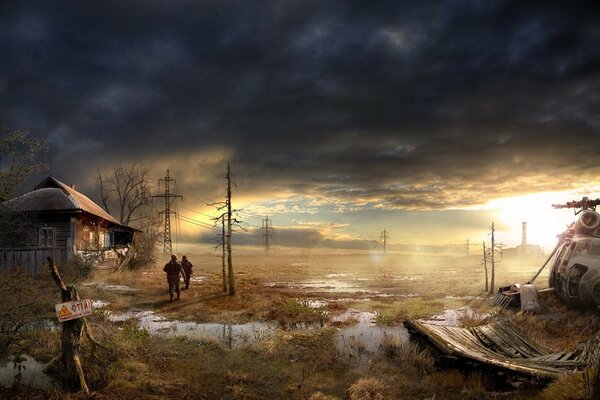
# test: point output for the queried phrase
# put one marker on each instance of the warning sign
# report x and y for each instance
(73, 309)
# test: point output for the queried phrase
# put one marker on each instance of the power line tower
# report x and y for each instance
(267, 230)
(169, 199)
(384, 239)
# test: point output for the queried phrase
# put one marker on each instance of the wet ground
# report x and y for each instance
(359, 332)
(346, 292)
(23, 370)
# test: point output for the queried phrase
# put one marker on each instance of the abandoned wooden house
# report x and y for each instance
(56, 220)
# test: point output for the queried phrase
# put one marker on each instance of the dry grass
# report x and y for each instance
(561, 328)
(297, 310)
(568, 387)
(408, 353)
(322, 396)
(369, 389)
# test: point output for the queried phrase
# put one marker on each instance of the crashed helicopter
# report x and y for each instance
(575, 272)
(575, 261)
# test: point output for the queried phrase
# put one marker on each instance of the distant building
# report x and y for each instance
(56, 220)
(524, 249)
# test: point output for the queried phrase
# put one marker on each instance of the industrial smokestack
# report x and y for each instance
(524, 237)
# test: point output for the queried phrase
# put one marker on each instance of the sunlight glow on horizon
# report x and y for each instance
(543, 221)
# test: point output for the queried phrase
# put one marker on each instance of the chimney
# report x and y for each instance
(524, 237)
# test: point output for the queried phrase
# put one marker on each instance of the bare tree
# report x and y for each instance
(226, 216)
(125, 189)
(21, 155)
(19, 311)
(145, 245)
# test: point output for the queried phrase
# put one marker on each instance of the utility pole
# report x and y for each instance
(467, 244)
(493, 250)
(226, 235)
(229, 261)
(169, 199)
(267, 228)
(384, 238)
(223, 254)
(485, 267)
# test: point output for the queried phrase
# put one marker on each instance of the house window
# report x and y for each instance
(107, 240)
(46, 237)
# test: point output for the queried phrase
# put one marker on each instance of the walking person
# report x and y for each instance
(173, 270)
(187, 270)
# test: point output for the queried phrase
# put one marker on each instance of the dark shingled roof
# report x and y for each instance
(51, 195)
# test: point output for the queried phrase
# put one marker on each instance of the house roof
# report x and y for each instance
(53, 195)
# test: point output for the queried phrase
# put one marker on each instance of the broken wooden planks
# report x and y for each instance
(501, 344)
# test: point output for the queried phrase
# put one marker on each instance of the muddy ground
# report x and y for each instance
(299, 327)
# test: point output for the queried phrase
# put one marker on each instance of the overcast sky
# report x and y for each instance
(339, 119)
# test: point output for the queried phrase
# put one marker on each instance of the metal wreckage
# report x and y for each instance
(574, 277)
(575, 261)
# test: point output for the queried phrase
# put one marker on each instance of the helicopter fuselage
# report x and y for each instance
(575, 272)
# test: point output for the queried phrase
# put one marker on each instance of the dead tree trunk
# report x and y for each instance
(70, 339)
(485, 267)
(493, 249)
(229, 261)
(223, 255)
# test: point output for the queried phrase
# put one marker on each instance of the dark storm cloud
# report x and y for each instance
(397, 104)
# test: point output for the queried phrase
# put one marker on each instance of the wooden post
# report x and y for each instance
(70, 339)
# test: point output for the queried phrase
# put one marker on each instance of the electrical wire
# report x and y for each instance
(198, 223)
(197, 212)
(201, 226)
(251, 215)
(201, 195)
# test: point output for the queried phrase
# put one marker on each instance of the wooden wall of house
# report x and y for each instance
(90, 233)
(27, 236)
(23, 251)
(30, 261)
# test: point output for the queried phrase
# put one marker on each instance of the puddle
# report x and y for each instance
(301, 325)
(115, 288)
(365, 337)
(230, 335)
(298, 264)
(321, 286)
(27, 372)
(42, 324)
(462, 297)
(404, 277)
(453, 317)
(99, 303)
(335, 275)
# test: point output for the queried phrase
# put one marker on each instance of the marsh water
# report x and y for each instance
(24, 370)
